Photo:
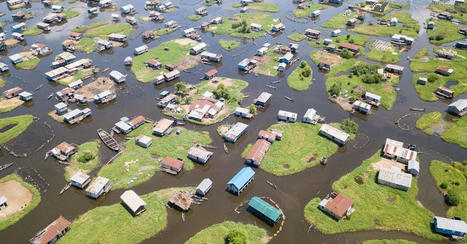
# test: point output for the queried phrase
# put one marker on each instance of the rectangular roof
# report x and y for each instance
(200, 152)
(97, 185)
(395, 176)
(236, 129)
(330, 130)
(339, 205)
(51, 231)
(451, 224)
(162, 125)
(242, 177)
(265, 208)
(205, 185)
(172, 162)
(80, 177)
(259, 150)
(132, 200)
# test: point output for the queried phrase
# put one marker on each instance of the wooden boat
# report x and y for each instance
(417, 109)
(108, 140)
(289, 98)
(66, 187)
(106, 69)
(50, 96)
(5, 166)
(226, 150)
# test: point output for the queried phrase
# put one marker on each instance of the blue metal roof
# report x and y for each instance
(242, 177)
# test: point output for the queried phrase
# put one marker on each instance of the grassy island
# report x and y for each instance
(19, 123)
(302, 13)
(22, 199)
(265, 7)
(301, 78)
(267, 64)
(427, 121)
(85, 160)
(452, 130)
(229, 45)
(103, 31)
(29, 64)
(300, 148)
(70, 14)
(137, 165)
(175, 52)
(390, 56)
(339, 20)
(86, 45)
(194, 17)
(297, 37)
(451, 181)
(104, 224)
(221, 87)
(407, 26)
(354, 39)
(378, 207)
(34, 31)
(458, 11)
(216, 233)
(445, 31)
(427, 67)
(239, 25)
(7, 105)
(84, 28)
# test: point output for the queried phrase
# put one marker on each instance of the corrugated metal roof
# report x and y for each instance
(242, 177)
(265, 208)
(451, 224)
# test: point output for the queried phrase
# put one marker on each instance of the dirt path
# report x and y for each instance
(18, 197)
(387, 163)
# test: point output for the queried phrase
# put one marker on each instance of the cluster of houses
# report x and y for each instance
(17, 92)
(205, 107)
(214, 21)
(368, 100)
(249, 64)
(68, 70)
(158, 5)
(37, 50)
(235, 132)
(64, 150)
(126, 125)
(310, 116)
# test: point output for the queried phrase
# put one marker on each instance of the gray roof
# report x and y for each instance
(60, 105)
(413, 164)
(3, 199)
(72, 114)
(451, 224)
(80, 177)
(395, 176)
(460, 104)
(205, 185)
(97, 185)
(310, 113)
(236, 130)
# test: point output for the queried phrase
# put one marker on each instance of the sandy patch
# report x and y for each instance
(27, 55)
(217, 80)
(18, 197)
(12, 102)
(117, 44)
(342, 102)
(331, 57)
(188, 62)
(11, 42)
(147, 167)
(186, 41)
(99, 85)
(440, 127)
(53, 114)
(387, 163)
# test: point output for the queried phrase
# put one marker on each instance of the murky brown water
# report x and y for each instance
(293, 191)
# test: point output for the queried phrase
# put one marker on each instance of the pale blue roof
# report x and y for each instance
(242, 177)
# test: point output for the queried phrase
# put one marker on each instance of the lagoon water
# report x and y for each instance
(136, 98)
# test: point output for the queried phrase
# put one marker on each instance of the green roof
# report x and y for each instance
(265, 208)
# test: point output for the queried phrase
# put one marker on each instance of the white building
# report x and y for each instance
(362, 106)
(204, 187)
(144, 141)
(133, 202)
(395, 178)
(334, 134)
(309, 116)
(100, 186)
(235, 132)
(286, 116)
(80, 180)
(118, 77)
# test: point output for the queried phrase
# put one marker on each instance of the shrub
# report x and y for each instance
(252, 109)
(432, 78)
(221, 92)
(335, 89)
(180, 87)
(439, 37)
(86, 157)
(349, 126)
(306, 72)
(453, 196)
(303, 64)
(236, 236)
(346, 54)
(443, 185)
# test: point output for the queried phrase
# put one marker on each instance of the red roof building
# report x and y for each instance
(266, 135)
(210, 74)
(52, 232)
(337, 207)
(172, 164)
(351, 47)
(136, 121)
(257, 152)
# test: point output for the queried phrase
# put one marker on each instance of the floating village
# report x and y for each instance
(233, 121)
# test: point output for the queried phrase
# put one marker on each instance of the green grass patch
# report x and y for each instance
(445, 31)
(229, 45)
(297, 37)
(389, 241)
(163, 31)
(86, 45)
(29, 64)
(194, 17)
(137, 165)
(34, 31)
(2, 82)
(102, 32)
(458, 11)
(84, 28)
(300, 143)
(425, 122)
(301, 78)
(85, 160)
(348, 82)
(377, 206)
(70, 14)
(390, 56)
(21, 123)
(338, 21)
(104, 224)
(457, 132)
(422, 53)
(427, 67)
(409, 28)
(451, 181)
(398, 6)
(269, 63)
(237, 5)
(233, 26)
(354, 39)
(265, 7)
(174, 55)
(302, 13)
(36, 199)
(216, 233)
